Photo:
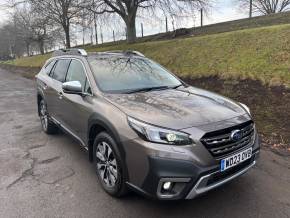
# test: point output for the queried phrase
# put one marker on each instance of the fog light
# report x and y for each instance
(169, 188)
(166, 185)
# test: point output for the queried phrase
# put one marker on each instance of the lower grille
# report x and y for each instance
(221, 143)
(223, 175)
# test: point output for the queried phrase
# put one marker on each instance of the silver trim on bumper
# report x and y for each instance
(201, 185)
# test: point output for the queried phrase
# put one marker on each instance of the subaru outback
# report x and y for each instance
(143, 128)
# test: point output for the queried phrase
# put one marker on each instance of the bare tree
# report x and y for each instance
(265, 6)
(6, 42)
(128, 9)
(28, 28)
(41, 31)
(34, 28)
(62, 12)
(86, 20)
(12, 40)
(22, 21)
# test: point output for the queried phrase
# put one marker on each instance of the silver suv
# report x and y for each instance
(144, 128)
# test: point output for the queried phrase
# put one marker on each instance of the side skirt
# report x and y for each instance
(83, 145)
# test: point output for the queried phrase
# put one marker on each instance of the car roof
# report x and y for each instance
(81, 52)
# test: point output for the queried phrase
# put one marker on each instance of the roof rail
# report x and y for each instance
(135, 52)
(127, 52)
(71, 51)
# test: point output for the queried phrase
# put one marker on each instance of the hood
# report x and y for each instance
(177, 108)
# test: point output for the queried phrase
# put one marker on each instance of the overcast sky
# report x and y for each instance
(223, 10)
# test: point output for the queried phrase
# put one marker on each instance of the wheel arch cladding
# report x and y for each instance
(98, 124)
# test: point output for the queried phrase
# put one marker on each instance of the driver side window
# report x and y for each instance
(76, 72)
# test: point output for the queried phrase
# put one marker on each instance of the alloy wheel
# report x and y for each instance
(106, 164)
(43, 115)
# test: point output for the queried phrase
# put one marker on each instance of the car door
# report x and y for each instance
(76, 109)
(54, 93)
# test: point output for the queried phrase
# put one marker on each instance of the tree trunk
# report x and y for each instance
(41, 46)
(83, 35)
(131, 29)
(130, 21)
(67, 35)
(28, 49)
(96, 28)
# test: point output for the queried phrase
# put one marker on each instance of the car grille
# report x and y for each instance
(220, 143)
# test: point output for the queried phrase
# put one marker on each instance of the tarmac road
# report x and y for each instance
(50, 176)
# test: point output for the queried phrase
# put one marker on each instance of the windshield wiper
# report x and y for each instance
(148, 89)
(175, 87)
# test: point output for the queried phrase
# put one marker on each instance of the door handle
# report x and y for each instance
(60, 95)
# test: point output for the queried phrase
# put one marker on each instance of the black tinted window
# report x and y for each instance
(48, 67)
(60, 70)
(76, 72)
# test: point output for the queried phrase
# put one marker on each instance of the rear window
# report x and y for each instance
(49, 66)
(60, 69)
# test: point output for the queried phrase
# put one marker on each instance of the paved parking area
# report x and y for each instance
(50, 176)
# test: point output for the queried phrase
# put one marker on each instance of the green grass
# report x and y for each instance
(33, 61)
(259, 53)
(247, 23)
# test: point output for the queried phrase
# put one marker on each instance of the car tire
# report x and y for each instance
(47, 125)
(109, 167)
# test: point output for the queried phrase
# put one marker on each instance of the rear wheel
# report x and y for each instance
(108, 164)
(47, 125)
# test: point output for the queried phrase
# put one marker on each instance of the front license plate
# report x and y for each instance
(235, 159)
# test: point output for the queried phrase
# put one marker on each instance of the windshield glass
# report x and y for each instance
(126, 74)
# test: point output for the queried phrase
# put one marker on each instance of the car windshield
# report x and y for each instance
(130, 74)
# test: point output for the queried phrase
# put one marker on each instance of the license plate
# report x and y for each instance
(235, 159)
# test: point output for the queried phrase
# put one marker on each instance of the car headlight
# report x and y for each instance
(246, 108)
(159, 135)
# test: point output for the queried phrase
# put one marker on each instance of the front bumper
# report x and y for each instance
(190, 177)
(203, 185)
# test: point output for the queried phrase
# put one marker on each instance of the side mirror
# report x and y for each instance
(72, 87)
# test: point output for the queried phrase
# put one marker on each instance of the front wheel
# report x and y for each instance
(47, 125)
(108, 164)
